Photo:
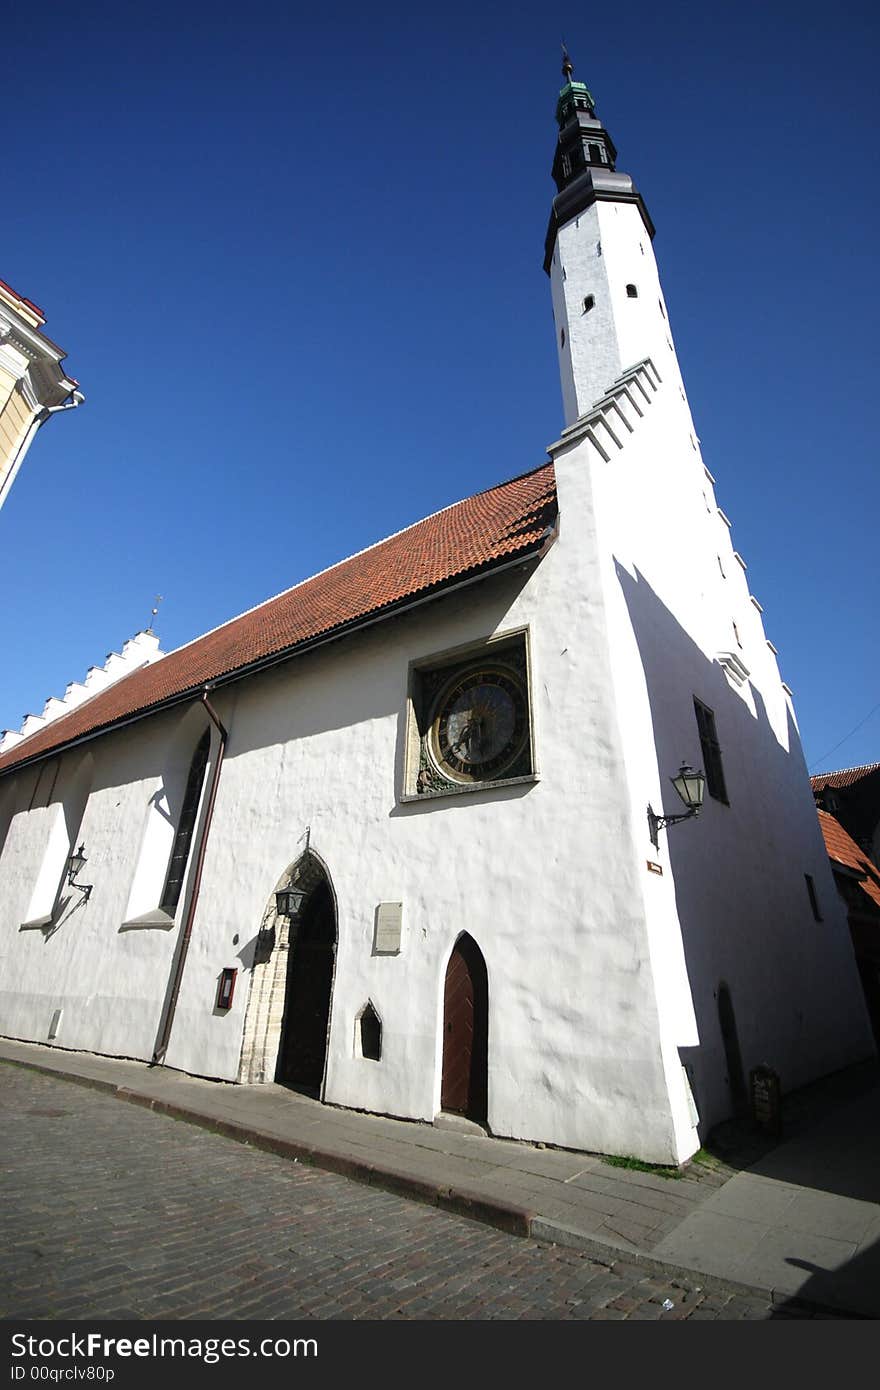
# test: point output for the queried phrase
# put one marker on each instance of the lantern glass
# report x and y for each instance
(76, 862)
(288, 901)
(690, 786)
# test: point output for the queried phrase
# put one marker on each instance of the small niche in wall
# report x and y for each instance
(55, 1025)
(632, 292)
(589, 301)
(369, 1033)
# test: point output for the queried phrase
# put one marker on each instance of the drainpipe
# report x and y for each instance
(168, 1021)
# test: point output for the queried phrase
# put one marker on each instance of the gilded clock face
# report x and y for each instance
(481, 724)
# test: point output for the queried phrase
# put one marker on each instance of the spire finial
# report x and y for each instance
(567, 64)
(154, 611)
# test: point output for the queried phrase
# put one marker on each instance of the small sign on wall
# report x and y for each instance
(388, 931)
(766, 1099)
(226, 988)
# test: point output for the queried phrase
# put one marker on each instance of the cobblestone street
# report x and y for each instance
(111, 1211)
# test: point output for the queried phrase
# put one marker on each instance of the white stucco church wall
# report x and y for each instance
(612, 963)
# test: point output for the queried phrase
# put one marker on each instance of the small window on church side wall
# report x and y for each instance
(632, 292)
(811, 894)
(711, 749)
(370, 1033)
(589, 301)
(562, 337)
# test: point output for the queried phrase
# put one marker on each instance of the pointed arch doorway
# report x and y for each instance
(464, 1086)
(302, 1052)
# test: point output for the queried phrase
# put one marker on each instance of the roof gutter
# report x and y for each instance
(277, 658)
(180, 960)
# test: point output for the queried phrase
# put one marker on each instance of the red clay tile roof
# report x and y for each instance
(842, 849)
(29, 302)
(467, 538)
(845, 778)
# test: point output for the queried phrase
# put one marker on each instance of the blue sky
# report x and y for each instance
(294, 255)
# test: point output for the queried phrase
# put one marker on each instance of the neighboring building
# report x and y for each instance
(858, 883)
(386, 835)
(852, 795)
(33, 384)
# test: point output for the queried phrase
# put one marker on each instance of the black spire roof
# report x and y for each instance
(584, 165)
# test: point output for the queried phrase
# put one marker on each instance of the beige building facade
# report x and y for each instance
(33, 383)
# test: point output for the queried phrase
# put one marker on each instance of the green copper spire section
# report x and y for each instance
(573, 96)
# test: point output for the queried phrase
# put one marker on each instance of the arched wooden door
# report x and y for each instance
(303, 1051)
(464, 1087)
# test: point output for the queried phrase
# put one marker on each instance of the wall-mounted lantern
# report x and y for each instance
(75, 865)
(288, 901)
(690, 786)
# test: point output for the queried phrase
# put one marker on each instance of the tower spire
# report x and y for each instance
(585, 160)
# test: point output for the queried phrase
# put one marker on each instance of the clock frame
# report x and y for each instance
(480, 724)
(470, 719)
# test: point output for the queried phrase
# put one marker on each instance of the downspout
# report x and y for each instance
(168, 1021)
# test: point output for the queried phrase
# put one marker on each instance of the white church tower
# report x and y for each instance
(748, 951)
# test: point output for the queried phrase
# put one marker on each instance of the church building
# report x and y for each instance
(406, 836)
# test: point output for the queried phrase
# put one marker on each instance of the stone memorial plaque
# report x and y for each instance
(389, 923)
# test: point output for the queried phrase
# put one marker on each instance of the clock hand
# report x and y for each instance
(464, 737)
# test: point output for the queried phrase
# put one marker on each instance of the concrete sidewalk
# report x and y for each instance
(802, 1222)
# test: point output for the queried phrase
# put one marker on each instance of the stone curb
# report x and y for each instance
(504, 1216)
(557, 1234)
(518, 1221)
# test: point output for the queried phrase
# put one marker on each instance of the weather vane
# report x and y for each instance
(153, 611)
(567, 64)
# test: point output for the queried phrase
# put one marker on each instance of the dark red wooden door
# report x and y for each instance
(465, 1032)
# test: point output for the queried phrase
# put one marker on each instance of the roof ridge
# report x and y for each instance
(844, 771)
(499, 525)
(355, 554)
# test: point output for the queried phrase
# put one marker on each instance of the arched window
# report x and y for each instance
(589, 301)
(185, 826)
(632, 292)
(370, 1029)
